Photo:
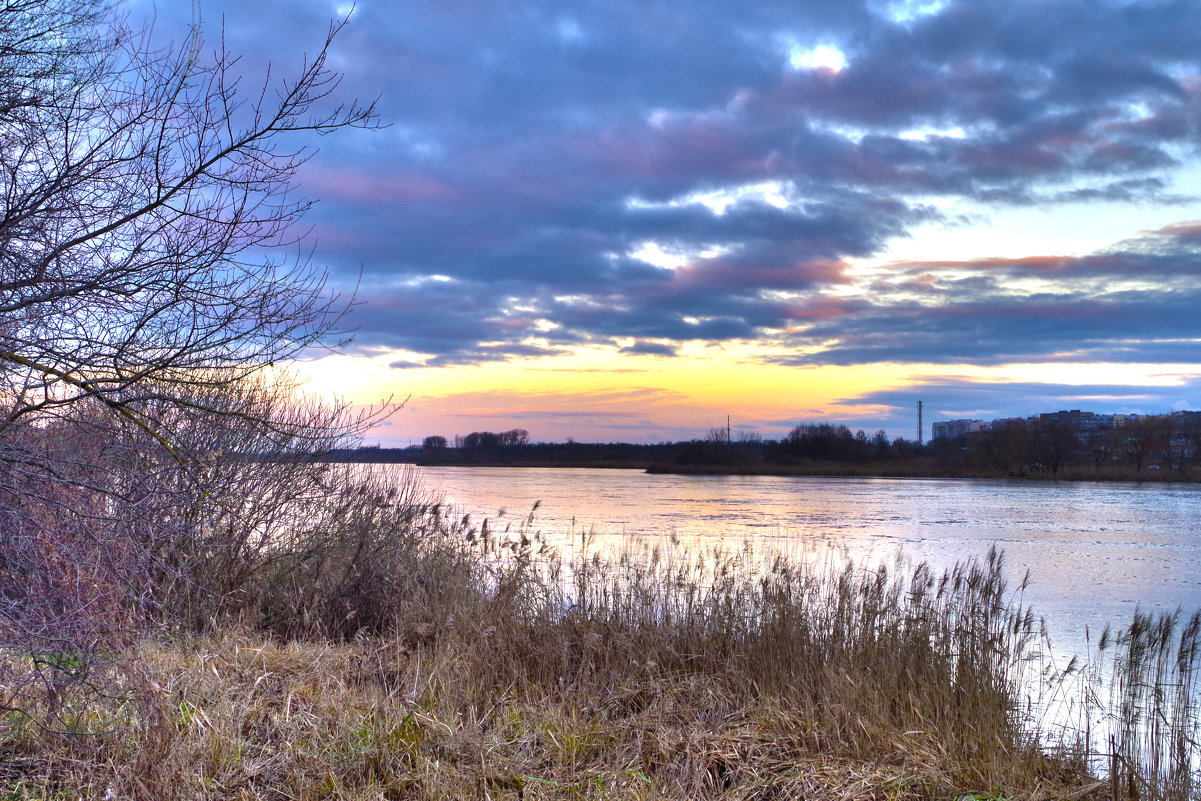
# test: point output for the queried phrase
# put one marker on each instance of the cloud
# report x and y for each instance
(537, 152)
(644, 348)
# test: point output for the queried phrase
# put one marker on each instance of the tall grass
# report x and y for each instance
(1149, 719)
(863, 654)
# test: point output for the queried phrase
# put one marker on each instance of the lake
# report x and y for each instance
(1094, 551)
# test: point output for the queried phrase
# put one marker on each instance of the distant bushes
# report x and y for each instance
(832, 443)
(489, 441)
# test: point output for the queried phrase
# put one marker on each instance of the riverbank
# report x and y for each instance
(455, 665)
(925, 467)
(917, 468)
(664, 460)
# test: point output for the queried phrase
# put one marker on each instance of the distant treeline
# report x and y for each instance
(1150, 447)
(820, 442)
(484, 447)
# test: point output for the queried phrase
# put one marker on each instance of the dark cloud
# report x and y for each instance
(643, 348)
(537, 151)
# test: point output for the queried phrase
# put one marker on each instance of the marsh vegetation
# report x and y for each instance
(391, 649)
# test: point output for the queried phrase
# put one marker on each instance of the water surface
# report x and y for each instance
(1094, 551)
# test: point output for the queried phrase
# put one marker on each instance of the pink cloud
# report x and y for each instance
(734, 273)
(513, 324)
(1188, 230)
(824, 308)
(362, 187)
(1046, 264)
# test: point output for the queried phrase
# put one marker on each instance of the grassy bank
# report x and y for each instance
(427, 658)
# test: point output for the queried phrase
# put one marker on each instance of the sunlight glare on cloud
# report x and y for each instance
(718, 201)
(569, 30)
(658, 119)
(673, 258)
(1077, 229)
(653, 253)
(1085, 374)
(577, 301)
(1140, 111)
(906, 11)
(822, 56)
(422, 280)
(847, 132)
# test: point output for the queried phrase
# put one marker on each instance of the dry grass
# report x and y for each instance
(236, 717)
(660, 675)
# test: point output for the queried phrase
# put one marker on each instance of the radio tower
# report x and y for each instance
(919, 422)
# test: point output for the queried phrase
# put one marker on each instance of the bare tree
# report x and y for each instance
(1139, 440)
(144, 195)
(150, 277)
(1180, 437)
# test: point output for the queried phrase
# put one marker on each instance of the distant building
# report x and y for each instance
(954, 429)
(1172, 439)
(1187, 418)
(1078, 421)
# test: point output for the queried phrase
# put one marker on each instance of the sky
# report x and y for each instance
(620, 220)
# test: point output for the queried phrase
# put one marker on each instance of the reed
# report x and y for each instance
(1145, 717)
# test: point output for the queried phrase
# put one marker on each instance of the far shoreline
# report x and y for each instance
(918, 468)
(827, 470)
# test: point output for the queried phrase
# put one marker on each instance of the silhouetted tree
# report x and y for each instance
(1136, 440)
(880, 444)
(1053, 446)
(143, 297)
(825, 442)
(515, 438)
(490, 441)
(1006, 447)
(1181, 439)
